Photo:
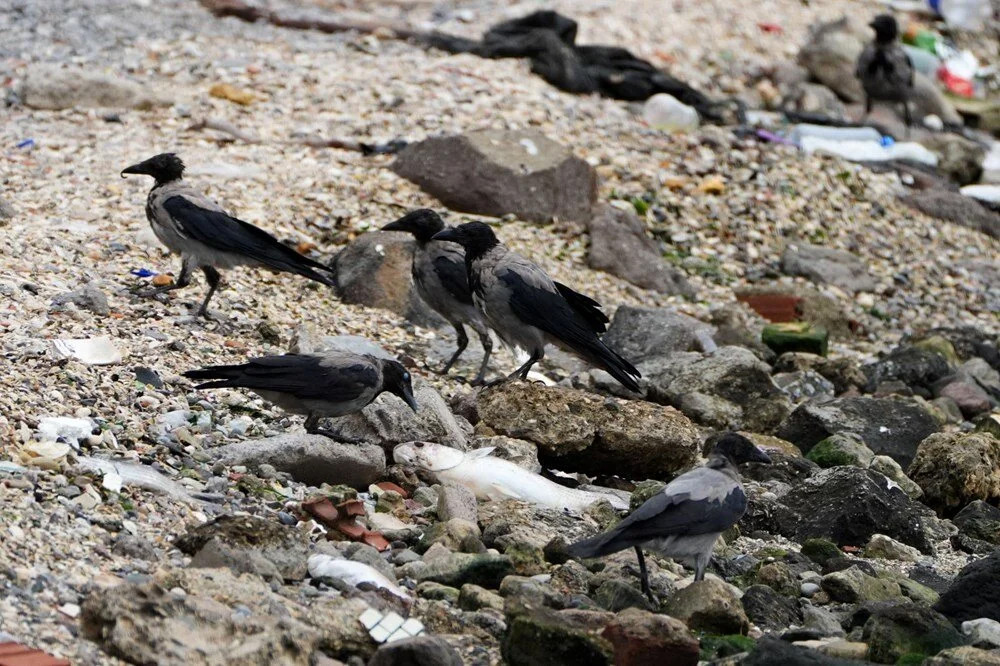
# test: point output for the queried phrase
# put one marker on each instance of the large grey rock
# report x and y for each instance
(544, 637)
(388, 421)
(640, 333)
(248, 544)
(89, 297)
(920, 369)
(852, 585)
(417, 651)
(955, 208)
(312, 459)
(954, 469)
(730, 388)
(958, 157)
(888, 426)
(825, 265)
(584, 432)
(975, 592)
(222, 618)
(48, 86)
(374, 270)
(895, 631)
(848, 505)
(643, 638)
(769, 609)
(709, 605)
(980, 521)
(619, 245)
(497, 172)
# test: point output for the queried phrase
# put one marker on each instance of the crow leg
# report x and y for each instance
(463, 342)
(183, 280)
(487, 341)
(868, 107)
(700, 564)
(907, 117)
(213, 278)
(644, 576)
(522, 372)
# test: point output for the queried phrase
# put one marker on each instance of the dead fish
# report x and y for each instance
(353, 573)
(497, 479)
(118, 474)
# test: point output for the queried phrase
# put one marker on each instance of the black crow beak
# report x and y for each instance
(451, 234)
(407, 396)
(139, 168)
(398, 225)
(761, 457)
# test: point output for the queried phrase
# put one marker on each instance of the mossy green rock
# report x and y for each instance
(852, 585)
(543, 637)
(820, 551)
(838, 450)
(643, 491)
(907, 629)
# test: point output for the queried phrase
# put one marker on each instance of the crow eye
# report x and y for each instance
(406, 376)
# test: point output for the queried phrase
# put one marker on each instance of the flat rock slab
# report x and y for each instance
(825, 265)
(500, 172)
(580, 431)
(955, 208)
(312, 459)
(48, 86)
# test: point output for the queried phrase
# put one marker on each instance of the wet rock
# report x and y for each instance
(958, 158)
(907, 629)
(963, 656)
(641, 333)
(49, 86)
(543, 637)
(709, 605)
(769, 609)
(918, 368)
(954, 469)
(983, 632)
(312, 459)
(620, 245)
(148, 622)
(497, 172)
(843, 373)
(955, 208)
(841, 450)
(848, 505)
(473, 597)
(891, 470)
(416, 651)
(854, 586)
(247, 544)
(882, 547)
(90, 298)
(980, 521)
(825, 265)
(641, 638)
(970, 399)
(889, 426)
(820, 620)
(615, 595)
(388, 421)
(728, 389)
(974, 593)
(585, 432)
(374, 270)
(772, 651)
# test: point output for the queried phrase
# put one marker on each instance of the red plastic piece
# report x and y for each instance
(15, 654)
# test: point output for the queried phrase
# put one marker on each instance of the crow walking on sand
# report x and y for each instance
(442, 281)
(884, 69)
(206, 237)
(315, 385)
(528, 310)
(684, 520)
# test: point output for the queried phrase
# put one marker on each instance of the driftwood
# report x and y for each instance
(251, 14)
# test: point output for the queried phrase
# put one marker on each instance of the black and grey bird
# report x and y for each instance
(195, 227)
(316, 385)
(884, 69)
(685, 519)
(441, 279)
(528, 310)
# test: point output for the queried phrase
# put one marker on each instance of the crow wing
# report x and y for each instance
(225, 233)
(449, 266)
(304, 376)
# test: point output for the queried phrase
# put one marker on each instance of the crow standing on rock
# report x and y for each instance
(884, 69)
(318, 386)
(195, 227)
(442, 281)
(684, 520)
(528, 309)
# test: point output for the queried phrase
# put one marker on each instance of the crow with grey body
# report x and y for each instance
(195, 227)
(441, 279)
(528, 310)
(884, 69)
(684, 520)
(315, 385)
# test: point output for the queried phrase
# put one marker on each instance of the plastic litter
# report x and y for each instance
(69, 430)
(964, 14)
(142, 272)
(665, 112)
(924, 61)
(389, 627)
(803, 131)
(27, 143)
(92, 351)
(353, 573)
(987, 193)
(870, 151)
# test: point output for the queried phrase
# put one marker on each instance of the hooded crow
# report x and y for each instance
(318, 386)
(442, 281)
(884, 68)
(528, 309)
(195, 227)
(685, 519)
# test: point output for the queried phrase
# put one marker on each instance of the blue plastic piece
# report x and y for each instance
(887, 141)
(27, 143)
(142, 272)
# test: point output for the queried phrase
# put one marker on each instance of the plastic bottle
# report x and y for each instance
(964, 14)
(666, 112)
(805, 130)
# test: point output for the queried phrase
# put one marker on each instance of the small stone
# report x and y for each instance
(473, 597)
(853, 586)
(712, 185)
(709, 605)
(887, 548)
(809, 589)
